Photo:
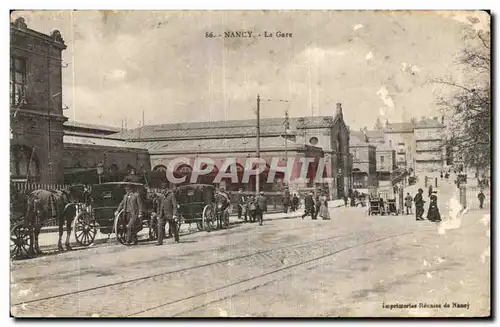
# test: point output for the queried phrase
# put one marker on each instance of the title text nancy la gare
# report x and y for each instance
(248, 34)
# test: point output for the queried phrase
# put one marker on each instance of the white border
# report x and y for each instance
(186, 4)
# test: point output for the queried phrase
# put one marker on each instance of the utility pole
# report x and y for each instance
(257, 177)
(49, 108)
(287, 128)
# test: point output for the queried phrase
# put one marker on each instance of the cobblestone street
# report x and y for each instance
(354, 265)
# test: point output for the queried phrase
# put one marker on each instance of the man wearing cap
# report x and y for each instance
(240, 201)
(419, 204)
(261, 207)
(309, 205)
(223, 202)
(133, 209)
(168, 212)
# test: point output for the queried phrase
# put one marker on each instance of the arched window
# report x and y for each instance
(160, 168)
(22, 157)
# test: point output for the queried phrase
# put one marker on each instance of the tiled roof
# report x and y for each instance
(72, 123)
(208, 145)
(268, 126)
(399, 128)
(71, 139)
(429, 123)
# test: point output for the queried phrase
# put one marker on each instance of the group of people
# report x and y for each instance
(164, 211)
(289, 201)
(433, 211)
(316, 205)
(252, 208)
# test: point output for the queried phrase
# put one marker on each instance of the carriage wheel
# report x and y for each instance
(121, 228)
(19, 241)
(199, 225)
(85, 228)
(209, 217)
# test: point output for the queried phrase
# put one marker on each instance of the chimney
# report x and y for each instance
(339, 109)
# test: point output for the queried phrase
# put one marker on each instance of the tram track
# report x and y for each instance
(273, 263)
(250, 283)
(133, 280)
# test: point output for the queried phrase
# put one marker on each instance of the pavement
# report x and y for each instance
(49, 237)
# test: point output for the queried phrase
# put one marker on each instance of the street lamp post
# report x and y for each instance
(257, 177)
(100, 171)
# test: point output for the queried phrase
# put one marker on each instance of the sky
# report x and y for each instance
(376, 63)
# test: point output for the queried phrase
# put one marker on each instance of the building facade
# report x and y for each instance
(401, 138)
(364, 170)
(86, 146)
(36, 120)
(323, 141)
(430, 153)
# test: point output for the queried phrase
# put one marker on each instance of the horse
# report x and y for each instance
(43, 205)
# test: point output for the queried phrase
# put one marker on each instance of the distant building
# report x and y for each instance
(317, 138)
(87, 145)
(36, 140)
(430, 153)
(364, 169)
(386, 162)
(401, 137)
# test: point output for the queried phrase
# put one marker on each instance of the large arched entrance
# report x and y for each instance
(24, 163)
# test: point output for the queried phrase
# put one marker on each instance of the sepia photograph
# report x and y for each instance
(250, 163)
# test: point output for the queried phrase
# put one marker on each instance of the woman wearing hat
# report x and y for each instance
(433, 212)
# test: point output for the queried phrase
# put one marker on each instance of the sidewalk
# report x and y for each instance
(48, 238)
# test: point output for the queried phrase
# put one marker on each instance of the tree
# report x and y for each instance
(468, 131)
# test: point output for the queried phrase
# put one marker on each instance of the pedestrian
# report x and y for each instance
(419, 204)
(323, 210)
(433, 212)
(133, 208)
(481, 198)
(408, 203)
(223, 202)
(295, 202)
(261, 207)
(168, 213)
(240, 202)
(285, 200)
(317, 205)
(251, 208)
(345, 200)
(430, 190)
(308, 205)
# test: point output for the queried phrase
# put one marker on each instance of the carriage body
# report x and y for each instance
(391, 207)
(375, 208)
(105, 199)
(196, 204)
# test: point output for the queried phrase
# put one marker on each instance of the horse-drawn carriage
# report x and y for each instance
(381, 207)
(197, 205)
(30, 211)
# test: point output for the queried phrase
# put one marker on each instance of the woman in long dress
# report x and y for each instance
(323, 211)
(433, 212)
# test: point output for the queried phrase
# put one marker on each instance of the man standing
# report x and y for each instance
(308, 205)
(481, 198)
(285, 200)
(295, 202)
(261, 207)
(430, 190)
(223, 202)
(408, 203)
(132, 206)
(317, 206)
(419, 204)
(240, 202)
(168, 213)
